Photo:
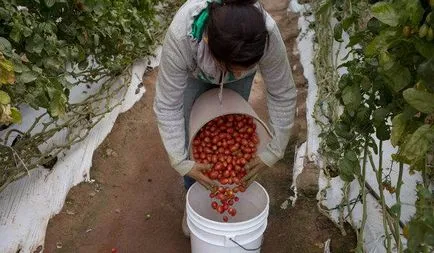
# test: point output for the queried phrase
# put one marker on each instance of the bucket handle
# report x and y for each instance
(244, 248)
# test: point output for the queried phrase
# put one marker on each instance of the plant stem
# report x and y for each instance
(398, 203)
(360, 240)
(382, 200)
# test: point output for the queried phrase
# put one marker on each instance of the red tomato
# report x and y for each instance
(213, 175)
(221, 196)
(225, 206)
(236, 180)
(232, 211)
(223, 180)
(226, 173)
(214, 205)
(220, 209)
(230, 167)
(247, 156)
(218, 166)
(242, 161)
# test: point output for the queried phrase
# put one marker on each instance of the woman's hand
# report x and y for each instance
(253, 168)
(196, 174)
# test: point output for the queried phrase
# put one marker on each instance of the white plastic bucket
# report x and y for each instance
(243, 233)
(208, 107)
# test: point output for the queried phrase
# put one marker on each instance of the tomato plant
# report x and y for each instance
(49, 46)
(387, 91)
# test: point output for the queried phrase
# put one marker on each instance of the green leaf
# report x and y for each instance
(347, 22)
(325, 6)
(346, 170)
(413, 12)
(386, 13)
(332, 141)
(399, 123)
(363, 114)
(421, 100)
(5, 45)
(58, 104)
(395, 209)
(418, 143)
(351, 97)
(386, 61)
(425, 71)
(380, 43)
(4, 98)
(16, 115)
(27, 77)
(352, 156)
(20, 68)
(53, 63)
(425, 48)
(374, 25)
(35, 44)
(380, 115)
(49, 3)
(349, 166)
(382, 131)
(397, 77)
(337, 32)
(15, 34)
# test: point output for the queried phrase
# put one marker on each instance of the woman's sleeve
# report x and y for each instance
(169, 97)
(281, 96)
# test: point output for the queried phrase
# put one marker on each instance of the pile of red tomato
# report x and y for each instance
(227, 142)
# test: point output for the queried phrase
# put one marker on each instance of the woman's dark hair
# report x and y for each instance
(237, 34)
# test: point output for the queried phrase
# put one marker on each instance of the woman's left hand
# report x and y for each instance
(253, 168)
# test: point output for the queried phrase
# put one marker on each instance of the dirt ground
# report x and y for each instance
(136, 202)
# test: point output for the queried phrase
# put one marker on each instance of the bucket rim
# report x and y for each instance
(227, 224)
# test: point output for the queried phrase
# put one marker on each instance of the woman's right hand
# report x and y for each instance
(196, 174)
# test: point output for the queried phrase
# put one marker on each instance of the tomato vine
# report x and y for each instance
(386, 91)
(47, 45)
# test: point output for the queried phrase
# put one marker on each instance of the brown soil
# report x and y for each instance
(136, 203)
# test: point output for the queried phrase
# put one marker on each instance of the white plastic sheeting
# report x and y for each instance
(374, 232)
(27, 205)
